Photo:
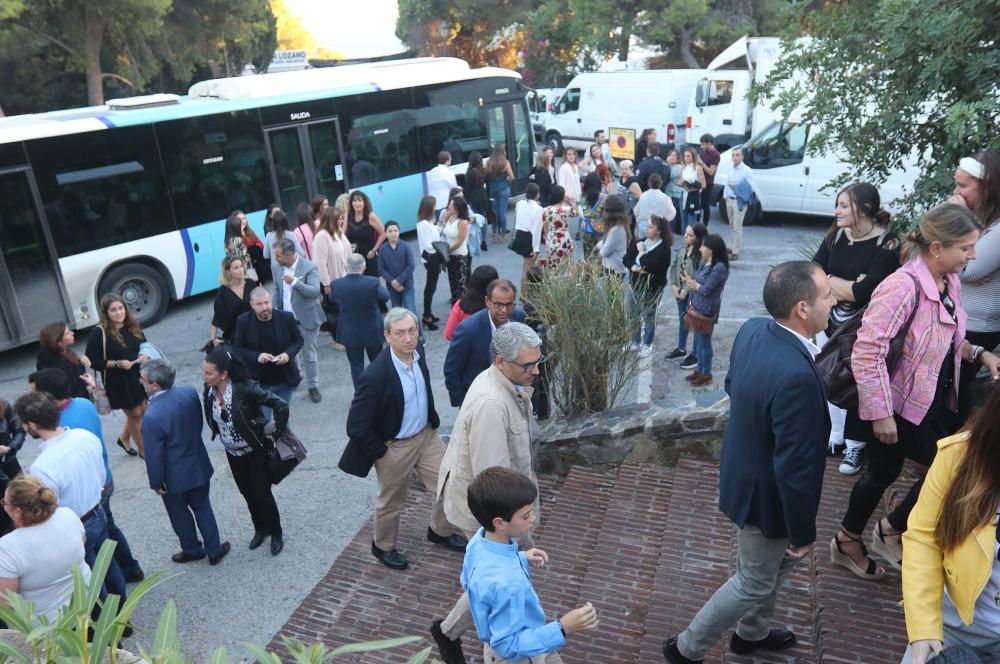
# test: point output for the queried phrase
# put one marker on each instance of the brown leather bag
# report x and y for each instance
(698, 322)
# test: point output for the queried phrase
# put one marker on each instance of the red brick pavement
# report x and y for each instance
(645, 544)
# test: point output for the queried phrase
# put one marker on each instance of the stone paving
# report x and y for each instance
(645, 544)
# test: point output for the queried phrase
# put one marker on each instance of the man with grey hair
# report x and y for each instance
(359, 323)
(494, 427)
(297, 290)
(177, 463)
(392, 425)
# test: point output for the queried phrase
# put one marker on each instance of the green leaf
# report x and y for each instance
(261, 655)
(369, 646)
(420, 657)
(218, 656)
(8, 651)
(166, 631)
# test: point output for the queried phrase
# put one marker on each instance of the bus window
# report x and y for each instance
(381, 147)
(521, 157)
(101, 188)
(459, 129)
(215, 164)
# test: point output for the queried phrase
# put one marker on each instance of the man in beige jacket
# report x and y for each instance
(494, 427)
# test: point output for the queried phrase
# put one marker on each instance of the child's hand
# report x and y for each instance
(537, 557)
(580, 619)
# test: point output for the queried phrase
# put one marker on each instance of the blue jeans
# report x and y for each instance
(688, 218)
(96, 531)
(499, 201)
(407, 299)
(682, 332)
(703, 352)
(645, 307)
(123, 553)
(283, 390)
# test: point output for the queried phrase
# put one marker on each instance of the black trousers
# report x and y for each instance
(989, 341)
(706, 206)
(433, 272)
(250, 473)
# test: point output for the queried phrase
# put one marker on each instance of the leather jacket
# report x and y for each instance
(11, 435)
(248, 420)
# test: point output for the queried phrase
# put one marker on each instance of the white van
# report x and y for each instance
(631, 99)
(540, 104)
(789, 179)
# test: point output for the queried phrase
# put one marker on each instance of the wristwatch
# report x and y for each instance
(977, 352)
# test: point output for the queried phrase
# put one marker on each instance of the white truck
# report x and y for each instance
(540, 104)
(630, 99)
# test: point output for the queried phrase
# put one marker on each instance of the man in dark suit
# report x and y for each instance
(773, 457)
(297, 290)
(392, 425)
(469, 352)
(267, 341)
(177, 463)
(653, 163)
(359, 325)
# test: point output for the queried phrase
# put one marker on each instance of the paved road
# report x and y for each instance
(251, 594)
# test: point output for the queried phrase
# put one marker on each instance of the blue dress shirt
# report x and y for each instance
(414, 396)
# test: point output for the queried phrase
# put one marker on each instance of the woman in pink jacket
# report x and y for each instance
(911, 410)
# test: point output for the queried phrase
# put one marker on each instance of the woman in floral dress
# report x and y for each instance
(555, 228)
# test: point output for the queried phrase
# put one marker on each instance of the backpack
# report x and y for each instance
(834, 360)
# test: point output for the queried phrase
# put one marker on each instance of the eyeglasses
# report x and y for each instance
(530, 365)
(503, 305)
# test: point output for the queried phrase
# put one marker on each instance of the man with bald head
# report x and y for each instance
(267, 340)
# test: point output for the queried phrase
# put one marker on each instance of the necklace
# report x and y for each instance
(864, 236)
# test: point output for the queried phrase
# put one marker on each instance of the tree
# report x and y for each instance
(883, 82)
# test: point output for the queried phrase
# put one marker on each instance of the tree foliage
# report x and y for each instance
(293, 35)
(886, 82)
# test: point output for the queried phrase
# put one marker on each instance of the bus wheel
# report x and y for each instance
(554, 141)
(142, 288)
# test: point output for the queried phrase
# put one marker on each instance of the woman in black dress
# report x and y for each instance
(231, 300)
(113, 349)
(364, 230)
(475, 185)
(56, 352)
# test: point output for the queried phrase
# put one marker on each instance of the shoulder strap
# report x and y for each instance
(104, 339)
(913, 310)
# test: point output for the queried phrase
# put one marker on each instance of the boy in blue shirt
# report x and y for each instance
(505, 608)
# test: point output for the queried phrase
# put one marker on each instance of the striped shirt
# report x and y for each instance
(981, 283)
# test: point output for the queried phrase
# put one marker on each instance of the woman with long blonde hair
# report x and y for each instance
(331, 247)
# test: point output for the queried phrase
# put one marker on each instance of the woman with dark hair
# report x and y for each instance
(472, 300)
(977, 187)
(456, 234)
(113, 349)
(857, 254)
(687, 263)
(279, 231)
(649, 278)
(953, 528)
(617, 237)
(268, 218)
(544, 175)
(305, 229)
(11, 442)
(475, 185)
(555, 228)
(914, 407)
(231, 300)
(499, 175)
(55, 351)
(593, 212)
(236, 244)
(364, 230)
(645, 138)
(427, 234)
(233, 404)
(706, 288)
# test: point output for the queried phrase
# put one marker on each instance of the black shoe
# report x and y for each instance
(776, 639)
(223, 550)
(392, 559)
(277, 544)
(455, 541)
(258, 539)
(135, 577)
(676, 353)
(434, 318)
(449, 649)
(185, 557)
(429, 325)
(673, 655)
(689, 363)
(315, 395)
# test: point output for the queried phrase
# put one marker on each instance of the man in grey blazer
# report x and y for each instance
(297, 289)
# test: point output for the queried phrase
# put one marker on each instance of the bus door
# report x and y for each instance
(30, 282)
(509, 123)
(306, 159)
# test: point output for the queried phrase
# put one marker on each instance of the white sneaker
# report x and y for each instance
(645, 351)
(630, 348)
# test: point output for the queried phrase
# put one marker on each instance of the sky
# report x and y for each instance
(357, 28)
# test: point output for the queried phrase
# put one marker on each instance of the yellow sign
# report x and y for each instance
(622, 142)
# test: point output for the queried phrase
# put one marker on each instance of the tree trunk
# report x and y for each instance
(685, 49)
(93, 39)
(623, 41)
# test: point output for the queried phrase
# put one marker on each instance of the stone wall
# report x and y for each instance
(656, 432)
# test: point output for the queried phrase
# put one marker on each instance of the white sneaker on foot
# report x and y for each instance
(645, 351)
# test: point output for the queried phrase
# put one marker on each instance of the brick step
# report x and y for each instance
(619, 579)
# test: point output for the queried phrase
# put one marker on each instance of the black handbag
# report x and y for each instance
(286, 454)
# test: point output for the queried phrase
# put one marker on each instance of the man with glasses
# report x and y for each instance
(494, 427)
(392, 425)
(469, 353)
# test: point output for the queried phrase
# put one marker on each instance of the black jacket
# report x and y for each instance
(46, 359)
(377, 413)
(247, 344)
(11, 435)
(249, 421)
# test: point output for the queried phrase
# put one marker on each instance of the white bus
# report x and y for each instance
(132, 197)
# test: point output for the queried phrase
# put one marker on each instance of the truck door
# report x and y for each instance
(720, 107)
(777, 157)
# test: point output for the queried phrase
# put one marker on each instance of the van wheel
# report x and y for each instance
(143, 289)
(554, 141)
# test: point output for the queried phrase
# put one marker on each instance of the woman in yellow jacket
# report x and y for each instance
(951, 544)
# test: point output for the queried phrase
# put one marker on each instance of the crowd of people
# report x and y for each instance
(923, 309)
